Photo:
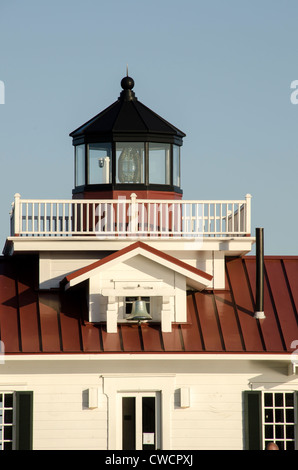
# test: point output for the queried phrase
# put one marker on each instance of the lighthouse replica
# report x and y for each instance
(132, 318)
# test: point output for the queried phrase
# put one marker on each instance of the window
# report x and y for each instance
(270, 417)
(176, 165)
(99, 163)
(130, 162)
(16, 420)
(140, 421)
(6, 421)
(80, 165)
(279, 419)
(159, 163)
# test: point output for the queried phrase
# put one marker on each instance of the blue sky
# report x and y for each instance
(220, 70)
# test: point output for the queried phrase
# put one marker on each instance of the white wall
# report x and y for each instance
(62, 419)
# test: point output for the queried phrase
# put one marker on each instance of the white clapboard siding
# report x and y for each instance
(213, 420)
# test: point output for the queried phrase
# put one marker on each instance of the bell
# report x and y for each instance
(139, 311)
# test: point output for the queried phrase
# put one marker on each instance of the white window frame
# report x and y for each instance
(275, 423)
(138, 395)
(2, 423)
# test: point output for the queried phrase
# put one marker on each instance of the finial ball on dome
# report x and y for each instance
(127, 83)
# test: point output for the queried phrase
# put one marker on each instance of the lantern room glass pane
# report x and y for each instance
(100, 163)
(80, 165)
(130, 162)
(176, 165)
(159, 163)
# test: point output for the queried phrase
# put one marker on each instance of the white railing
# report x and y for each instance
(130, 217)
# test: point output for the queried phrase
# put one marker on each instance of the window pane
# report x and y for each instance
(148, 420)
(100, 163)
(279, 416)
(279, 399)
(130, 162)
(269, 432)
(290, 416)
(8, 400)
(281, 445)
(8, 416)
(176, 165)
(269, 416)
(80, 164)
(8, 432)
(268, 399)
(159, 163)
(290, 432)
(289, 399)
(279, 431)
(128, 423)
(290, 445)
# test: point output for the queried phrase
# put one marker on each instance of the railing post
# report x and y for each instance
(11, 215)
(133, 222)
(248, 214)
(16, 215)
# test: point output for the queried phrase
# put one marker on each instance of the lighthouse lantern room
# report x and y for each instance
(127, 148)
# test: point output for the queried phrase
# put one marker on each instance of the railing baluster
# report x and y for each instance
(87, 217)
(38, 217)
(92, 208)
(62, 218)
(57, 218)
(148, 216)
(26, 217)
(32, 216)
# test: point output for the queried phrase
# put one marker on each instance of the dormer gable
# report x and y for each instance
(138, 270)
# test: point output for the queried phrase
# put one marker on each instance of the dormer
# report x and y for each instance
(138, 272)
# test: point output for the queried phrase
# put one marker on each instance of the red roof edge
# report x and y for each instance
(128, 249)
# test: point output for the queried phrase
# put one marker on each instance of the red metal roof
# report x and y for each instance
(220, 321)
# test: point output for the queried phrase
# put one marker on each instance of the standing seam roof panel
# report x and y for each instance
(244, 306)
(282, 300)
(232, 337)
(208, 322)
(270, 327)
(9, 321)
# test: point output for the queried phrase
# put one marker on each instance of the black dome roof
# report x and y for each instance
(127, 119)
